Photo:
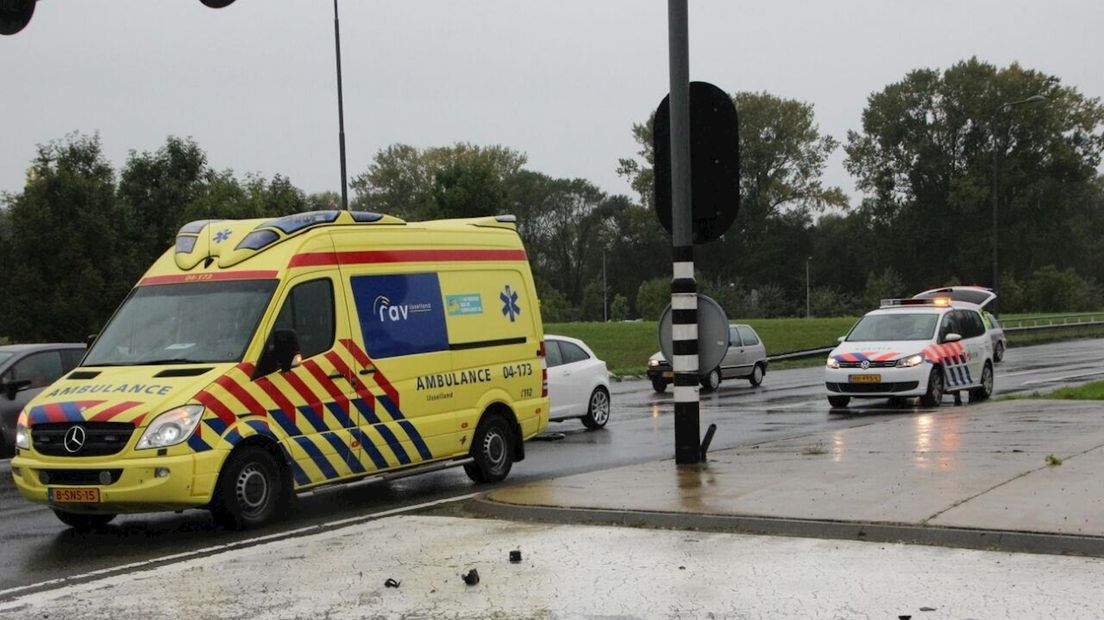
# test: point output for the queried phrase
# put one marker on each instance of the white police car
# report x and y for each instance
(913, 347)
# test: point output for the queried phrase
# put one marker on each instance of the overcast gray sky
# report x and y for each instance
(561, 80)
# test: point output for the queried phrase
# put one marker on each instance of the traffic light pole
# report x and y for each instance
(684, 297)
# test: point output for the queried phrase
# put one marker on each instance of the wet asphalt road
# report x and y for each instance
(35, 547)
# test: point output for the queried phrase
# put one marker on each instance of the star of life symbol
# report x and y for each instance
(222, 235)
(509, 303)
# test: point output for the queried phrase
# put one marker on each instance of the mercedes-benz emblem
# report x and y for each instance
(74, 438)
(865, 364)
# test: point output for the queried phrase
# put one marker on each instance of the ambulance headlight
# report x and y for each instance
(910, 361)
(172, 427)
(22, 432)
(832, 362)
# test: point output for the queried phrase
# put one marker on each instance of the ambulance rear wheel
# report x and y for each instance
(250, 490)
(83, 522)
(492, 450)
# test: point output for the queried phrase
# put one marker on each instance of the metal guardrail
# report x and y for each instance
(1023, 329)
(800, 355)
(1052, 326)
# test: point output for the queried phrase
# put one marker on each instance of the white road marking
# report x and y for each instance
(249, 542)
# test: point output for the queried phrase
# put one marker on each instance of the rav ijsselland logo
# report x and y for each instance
(388, 312)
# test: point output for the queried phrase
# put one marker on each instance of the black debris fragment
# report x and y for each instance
(927, 609)
(391, 583)
(515, 556)
(471, 577)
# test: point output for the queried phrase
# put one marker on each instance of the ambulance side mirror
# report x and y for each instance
(285, 349)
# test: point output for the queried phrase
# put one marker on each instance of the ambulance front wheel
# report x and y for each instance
(83, 522)
(492, 450)
(250, 489)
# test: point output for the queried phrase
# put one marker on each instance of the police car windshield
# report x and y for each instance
(875, 327)
(195, 322)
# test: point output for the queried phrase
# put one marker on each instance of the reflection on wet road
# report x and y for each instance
(790, 403)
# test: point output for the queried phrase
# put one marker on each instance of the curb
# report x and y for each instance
(965, 538)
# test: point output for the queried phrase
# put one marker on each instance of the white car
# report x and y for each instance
(982, 297)
(913, 347)
(578, 382)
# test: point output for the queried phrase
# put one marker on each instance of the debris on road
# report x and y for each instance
(471, 577)
(391, 583)
(515, 556)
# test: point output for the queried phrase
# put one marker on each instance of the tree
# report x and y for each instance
(65, 229)
(452, 181)
(619, 308)
(925, 157)
(154, 189)
(652, 297)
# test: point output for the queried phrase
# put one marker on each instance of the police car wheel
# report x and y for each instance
(83, 522)
(250, 490)
(659, 385)
(756, 376)
(934, 395)
(712, 380)
(492, 449)
(839, 401)
(979, 394)
(598, 409)
(998, 352)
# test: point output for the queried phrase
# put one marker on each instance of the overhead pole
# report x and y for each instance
(340, 112)
(684, 298)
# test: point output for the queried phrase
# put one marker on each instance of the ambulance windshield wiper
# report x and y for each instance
(170, 360)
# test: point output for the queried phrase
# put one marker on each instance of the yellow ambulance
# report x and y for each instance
(258, 359)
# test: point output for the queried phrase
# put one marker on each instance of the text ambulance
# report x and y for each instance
(260, 358)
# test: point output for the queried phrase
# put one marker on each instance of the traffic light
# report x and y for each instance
(15, 15)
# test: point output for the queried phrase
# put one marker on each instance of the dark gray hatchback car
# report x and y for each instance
(25, 370)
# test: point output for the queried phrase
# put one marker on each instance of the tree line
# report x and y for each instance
(80, 233)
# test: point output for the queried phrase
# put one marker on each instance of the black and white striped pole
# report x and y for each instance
(684, 290)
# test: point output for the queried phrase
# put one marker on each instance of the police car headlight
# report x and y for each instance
(653, 363)
(22, 433)
(832, 362)
(172, 427)
(910, 361)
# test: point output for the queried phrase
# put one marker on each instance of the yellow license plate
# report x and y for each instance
(866, 378)
(667, 374)
(74, 496)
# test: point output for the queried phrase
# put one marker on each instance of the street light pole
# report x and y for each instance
(808, 306)
(340, 113)
(996, 152)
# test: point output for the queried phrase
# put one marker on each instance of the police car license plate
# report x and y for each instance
(668, 374)
(73, 496)
(866, 378)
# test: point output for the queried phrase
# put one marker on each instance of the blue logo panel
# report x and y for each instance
(400, 314)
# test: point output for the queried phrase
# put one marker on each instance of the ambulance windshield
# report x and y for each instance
(194, 322)
(875, 327)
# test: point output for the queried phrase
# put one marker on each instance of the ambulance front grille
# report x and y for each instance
(100, 438)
